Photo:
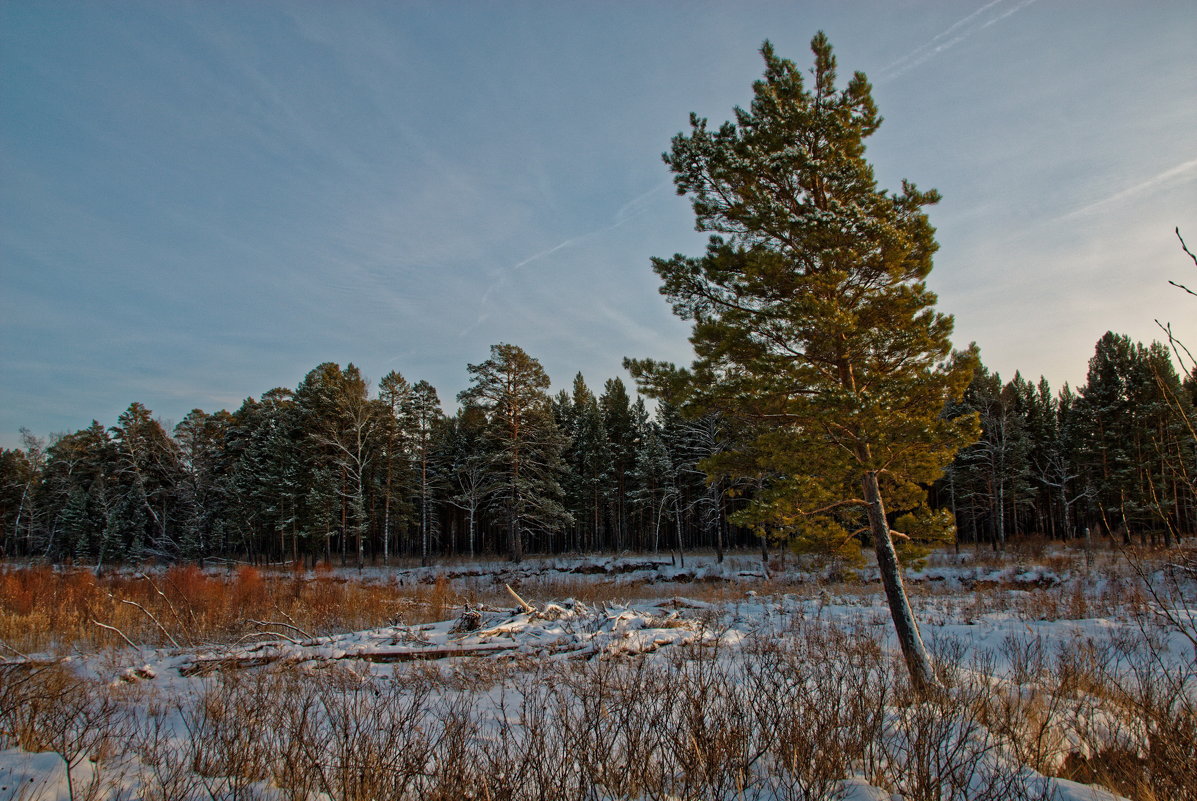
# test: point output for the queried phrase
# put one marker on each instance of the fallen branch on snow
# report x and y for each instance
(527, 607)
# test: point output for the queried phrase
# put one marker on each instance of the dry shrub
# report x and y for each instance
(248, 590)
(47, 707)
(1149, 755)
(440, 598)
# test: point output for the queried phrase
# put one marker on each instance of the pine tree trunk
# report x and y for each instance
(918, 661)
(514, 548)
(677, 513)
(386, 517)
(471, 522)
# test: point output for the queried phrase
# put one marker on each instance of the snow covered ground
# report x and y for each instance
(778, 686)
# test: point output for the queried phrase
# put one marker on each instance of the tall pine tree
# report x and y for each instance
(527, 445)
(812, 320)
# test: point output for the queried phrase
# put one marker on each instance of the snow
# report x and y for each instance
(563, 630)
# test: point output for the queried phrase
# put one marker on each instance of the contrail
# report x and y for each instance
(630, 210)
(940, 42)
(921, 48)
(1137, 189)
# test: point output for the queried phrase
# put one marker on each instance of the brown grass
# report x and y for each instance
(46, 609)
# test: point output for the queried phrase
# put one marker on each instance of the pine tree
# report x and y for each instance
(424, 412)
(470, 472)
(812, 320)
(394, 395)
(527, 445)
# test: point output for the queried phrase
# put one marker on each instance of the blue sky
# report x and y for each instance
(201, 201)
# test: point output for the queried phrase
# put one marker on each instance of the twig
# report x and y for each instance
(294, 625)
(150, 615)
(1185, 247)
(294, 628)
(3, 644)
(291, 640)
(1182, 286)
(118, 631)
(169, 605)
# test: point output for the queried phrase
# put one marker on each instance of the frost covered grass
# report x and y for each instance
(768, 688)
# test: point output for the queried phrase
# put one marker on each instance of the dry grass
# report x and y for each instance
(42, 608)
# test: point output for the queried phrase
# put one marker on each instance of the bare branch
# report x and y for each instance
(150, 615)
(293, 627)
(118, 631)
(527, 607)
(1185, 288)
(1185, 247)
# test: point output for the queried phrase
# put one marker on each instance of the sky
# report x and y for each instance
(202, 201)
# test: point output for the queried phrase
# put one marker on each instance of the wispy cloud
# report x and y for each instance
(951, 36)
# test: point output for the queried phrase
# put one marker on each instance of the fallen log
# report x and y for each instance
(203, 667)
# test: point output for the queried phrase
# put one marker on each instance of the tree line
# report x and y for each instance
(333, 470)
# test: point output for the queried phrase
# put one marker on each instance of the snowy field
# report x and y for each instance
(647, 681)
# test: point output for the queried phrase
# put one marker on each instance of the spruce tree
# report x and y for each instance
(993, 473)
(812, 319)
(149, 471)
(341, 422)
(654, 488)
(202, 438)
(1107, 431)
(83, 461)
(589, 458)
(267, 486)
(617, 421)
